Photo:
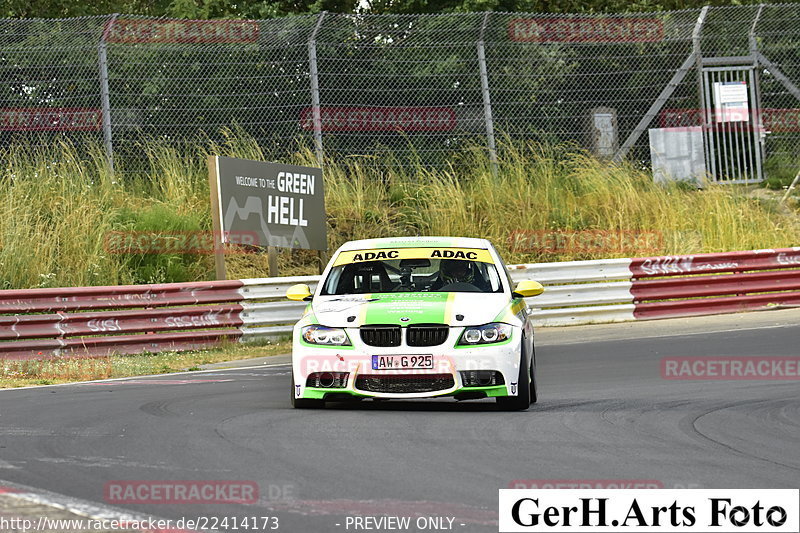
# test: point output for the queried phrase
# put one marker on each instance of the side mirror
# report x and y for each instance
(528, 288)
(299, 292)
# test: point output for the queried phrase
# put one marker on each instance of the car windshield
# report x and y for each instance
(412, 274)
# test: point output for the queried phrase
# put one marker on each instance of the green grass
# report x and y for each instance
(49, 371)
(780, 171)
(57, 207)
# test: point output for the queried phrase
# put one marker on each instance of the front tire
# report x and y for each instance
(525, 386)
(534, 384)
(305, 403)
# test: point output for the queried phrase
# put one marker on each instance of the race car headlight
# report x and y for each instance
(322, 335)
(486, 334)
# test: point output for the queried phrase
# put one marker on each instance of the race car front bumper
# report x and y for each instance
(338, 372)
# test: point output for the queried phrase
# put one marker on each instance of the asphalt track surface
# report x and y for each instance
(605, 413)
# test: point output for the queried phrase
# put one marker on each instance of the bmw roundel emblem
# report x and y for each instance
(404, 319)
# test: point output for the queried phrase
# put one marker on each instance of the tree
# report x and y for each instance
(190, 9)
(262, 9)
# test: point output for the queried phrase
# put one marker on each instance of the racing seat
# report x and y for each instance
(478, 281)
(361, 278)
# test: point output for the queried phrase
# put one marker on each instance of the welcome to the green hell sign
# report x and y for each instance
(281, 209)
(283, 204)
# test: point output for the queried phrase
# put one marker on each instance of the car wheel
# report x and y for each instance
(305, 403)
(523, 399)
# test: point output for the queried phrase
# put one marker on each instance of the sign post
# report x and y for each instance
(269, 205)
(216, 223)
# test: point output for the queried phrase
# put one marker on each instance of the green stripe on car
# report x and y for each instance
(415, 307)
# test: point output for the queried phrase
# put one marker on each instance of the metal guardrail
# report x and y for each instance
(122, 319)
(183, 316)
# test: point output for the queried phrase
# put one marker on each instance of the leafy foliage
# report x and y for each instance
(212, 9)
(189, 9)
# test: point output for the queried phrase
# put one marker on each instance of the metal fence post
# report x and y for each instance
(751, 36)
(487, 101)
(105, 99)
(315, 110)
(697, 36)
(759, 119)
(667, 91)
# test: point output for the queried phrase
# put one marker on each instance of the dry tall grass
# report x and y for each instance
(57, 206)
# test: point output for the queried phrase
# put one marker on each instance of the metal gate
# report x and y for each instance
(732, 123)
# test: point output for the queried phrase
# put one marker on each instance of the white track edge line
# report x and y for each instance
(77, 506)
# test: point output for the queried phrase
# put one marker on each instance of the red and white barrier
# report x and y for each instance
(123, 319)
(616, 290)
(184, 316)
(715, 283)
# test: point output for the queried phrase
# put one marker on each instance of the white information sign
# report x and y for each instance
(731, 102)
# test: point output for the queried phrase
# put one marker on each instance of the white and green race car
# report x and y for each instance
(415, 317)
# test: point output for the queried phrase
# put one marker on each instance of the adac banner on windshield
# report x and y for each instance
(388, 254)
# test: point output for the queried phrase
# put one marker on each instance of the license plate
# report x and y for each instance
(402, 362)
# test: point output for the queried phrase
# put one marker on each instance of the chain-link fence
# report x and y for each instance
(421, 87)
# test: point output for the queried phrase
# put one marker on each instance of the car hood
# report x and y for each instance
(405, 308)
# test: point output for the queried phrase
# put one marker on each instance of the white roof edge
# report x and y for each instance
(421, 241)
